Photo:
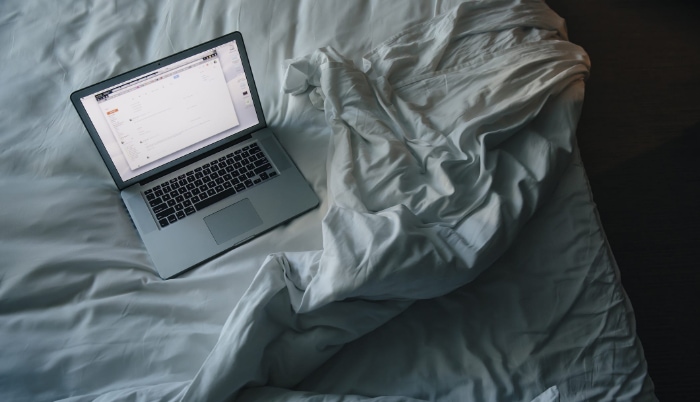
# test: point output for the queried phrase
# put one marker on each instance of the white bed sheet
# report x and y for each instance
(84, 315)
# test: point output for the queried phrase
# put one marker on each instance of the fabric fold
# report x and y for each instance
(445, 140)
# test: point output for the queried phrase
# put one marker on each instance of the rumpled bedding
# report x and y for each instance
(456, 256)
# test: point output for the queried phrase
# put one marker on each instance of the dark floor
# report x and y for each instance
(639, 136)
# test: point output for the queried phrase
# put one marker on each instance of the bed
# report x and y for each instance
(456, 254)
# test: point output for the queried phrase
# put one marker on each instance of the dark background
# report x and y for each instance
(639, 136)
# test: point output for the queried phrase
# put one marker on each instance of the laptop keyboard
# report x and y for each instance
(175, 199)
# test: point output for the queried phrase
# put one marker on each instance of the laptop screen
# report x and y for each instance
(149, 120)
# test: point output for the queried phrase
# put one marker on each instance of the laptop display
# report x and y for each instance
(163, 115)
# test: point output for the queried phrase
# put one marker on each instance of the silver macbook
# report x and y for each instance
(186, 142)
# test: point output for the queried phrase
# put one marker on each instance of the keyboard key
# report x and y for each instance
(163, 222)
(263, 168)
(158, 208)
(211, 200)
(164, 213)
(172, 219)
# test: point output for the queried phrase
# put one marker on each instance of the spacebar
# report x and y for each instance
(214, 198)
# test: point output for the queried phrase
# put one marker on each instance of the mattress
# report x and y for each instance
(456, 254)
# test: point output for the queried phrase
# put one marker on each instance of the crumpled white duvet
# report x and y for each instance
(446, 139)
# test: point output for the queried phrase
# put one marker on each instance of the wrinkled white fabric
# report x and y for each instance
(442, 149)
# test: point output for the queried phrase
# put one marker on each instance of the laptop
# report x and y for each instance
(186, 142)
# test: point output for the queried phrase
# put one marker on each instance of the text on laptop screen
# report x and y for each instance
(158, 117)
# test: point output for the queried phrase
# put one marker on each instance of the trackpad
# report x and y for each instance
(232, 221)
